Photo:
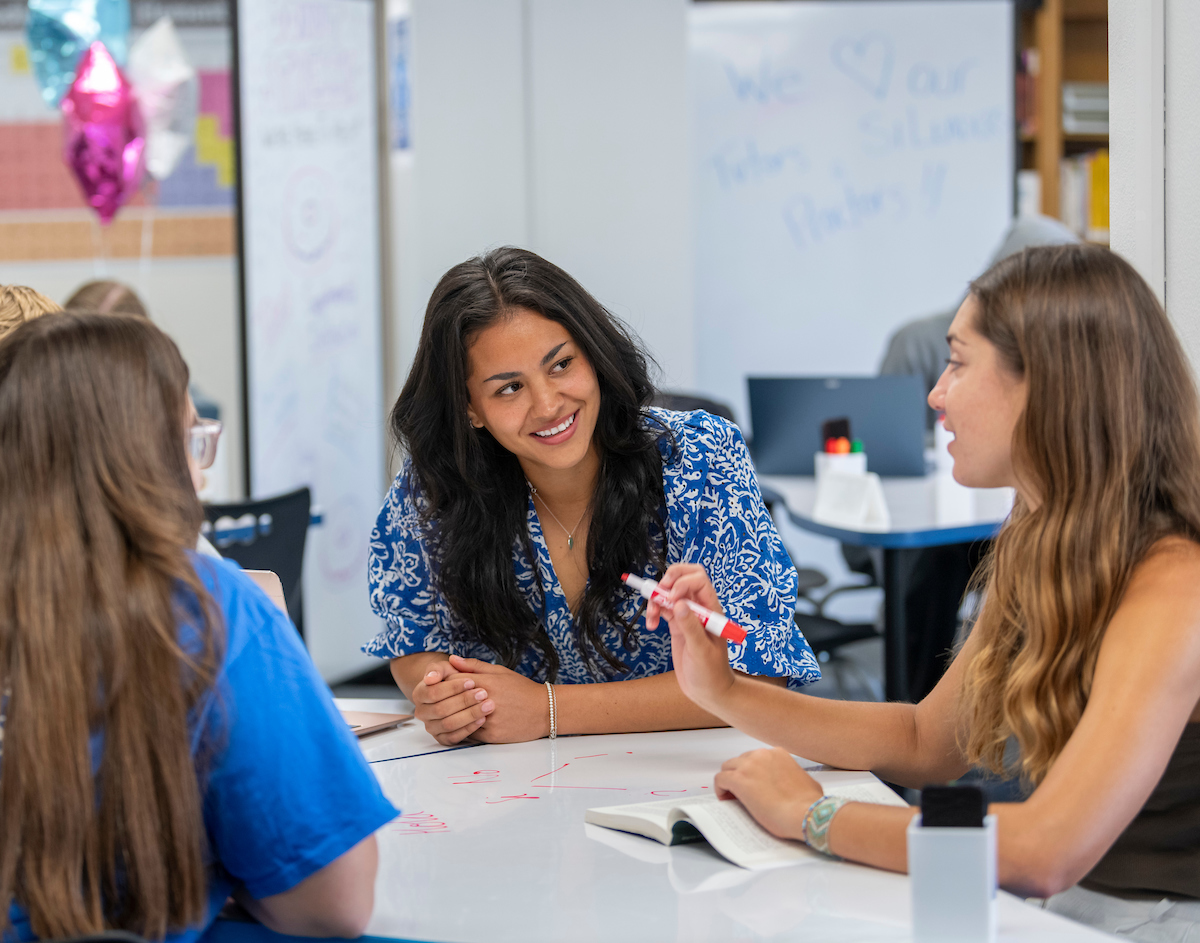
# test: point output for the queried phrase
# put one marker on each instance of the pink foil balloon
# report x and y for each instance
(105, 139)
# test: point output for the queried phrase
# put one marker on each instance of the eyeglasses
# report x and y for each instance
(202, 441)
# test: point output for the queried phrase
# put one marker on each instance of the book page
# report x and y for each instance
(732, 831)
(873, 793)
(656, 812)
(649, 819)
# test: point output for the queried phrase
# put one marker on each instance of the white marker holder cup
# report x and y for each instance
(953, 877)
(848, 463)
(853, 501)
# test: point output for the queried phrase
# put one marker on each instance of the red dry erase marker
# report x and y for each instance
(715, 623)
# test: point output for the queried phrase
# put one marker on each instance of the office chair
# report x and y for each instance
(687, 402)
(266, 535)
(826, 635)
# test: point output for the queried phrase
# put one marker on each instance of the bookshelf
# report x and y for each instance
(1071, 39)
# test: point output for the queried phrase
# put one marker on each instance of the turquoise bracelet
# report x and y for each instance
(817, 822)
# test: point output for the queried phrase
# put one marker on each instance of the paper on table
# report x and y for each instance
(751, 845)
(731, 830)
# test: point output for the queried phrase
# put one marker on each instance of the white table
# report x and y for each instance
(925, 512)
(492, 847)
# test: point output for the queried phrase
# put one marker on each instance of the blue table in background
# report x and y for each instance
(913, 504)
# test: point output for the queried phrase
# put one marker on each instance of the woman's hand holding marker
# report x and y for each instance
(769, 783)
(665, 595)
(701, 659)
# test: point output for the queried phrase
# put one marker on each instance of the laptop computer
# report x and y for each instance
(886, 413)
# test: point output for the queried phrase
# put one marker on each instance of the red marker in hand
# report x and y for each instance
(716, 623)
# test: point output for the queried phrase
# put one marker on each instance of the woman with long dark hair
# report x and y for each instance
(535, 476)
(165, 741)
(1067, 382)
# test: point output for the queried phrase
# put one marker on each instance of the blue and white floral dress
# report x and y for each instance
(715, 517)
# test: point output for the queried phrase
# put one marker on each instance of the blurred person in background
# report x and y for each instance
(107, 296)
(940, 575)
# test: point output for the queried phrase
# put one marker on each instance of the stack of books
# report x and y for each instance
(1026, 95)
(1085, 107)
(1084, 195)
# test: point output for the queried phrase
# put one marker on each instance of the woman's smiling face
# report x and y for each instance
(532, 388)
(982, 399)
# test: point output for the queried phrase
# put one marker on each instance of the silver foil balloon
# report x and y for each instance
(168, 93)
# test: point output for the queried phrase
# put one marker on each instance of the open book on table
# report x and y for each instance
(724, 824)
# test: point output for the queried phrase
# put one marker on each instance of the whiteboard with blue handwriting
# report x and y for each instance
(853, 169)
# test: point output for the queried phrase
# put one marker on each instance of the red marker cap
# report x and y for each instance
(734, 633)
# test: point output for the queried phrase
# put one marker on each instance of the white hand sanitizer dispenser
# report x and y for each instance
(952, 867)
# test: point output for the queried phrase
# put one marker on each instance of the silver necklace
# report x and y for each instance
(570, 533)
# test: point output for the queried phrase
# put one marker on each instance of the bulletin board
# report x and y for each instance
(312, 290)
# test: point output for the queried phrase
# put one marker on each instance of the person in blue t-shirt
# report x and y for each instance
(165, 742)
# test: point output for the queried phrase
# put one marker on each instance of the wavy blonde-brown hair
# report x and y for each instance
(1108, 445)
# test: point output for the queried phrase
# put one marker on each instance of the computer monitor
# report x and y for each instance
(886, 413)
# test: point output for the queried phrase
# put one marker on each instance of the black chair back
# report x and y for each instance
(686, 402)
(266, 535)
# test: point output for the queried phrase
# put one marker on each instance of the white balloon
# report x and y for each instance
(168, 92)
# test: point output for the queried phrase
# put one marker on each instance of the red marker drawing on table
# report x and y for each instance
(716, 623)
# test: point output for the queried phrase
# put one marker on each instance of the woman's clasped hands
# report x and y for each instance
(462, 698)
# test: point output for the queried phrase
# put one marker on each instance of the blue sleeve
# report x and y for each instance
(399, 573)
(289, 790)
(751, 571)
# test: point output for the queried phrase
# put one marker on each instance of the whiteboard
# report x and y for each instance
(310, 181)
(852, 168)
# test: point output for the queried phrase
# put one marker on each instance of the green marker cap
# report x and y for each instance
(856, 445)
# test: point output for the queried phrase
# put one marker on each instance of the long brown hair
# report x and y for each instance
(97, 513)
(476, 493)
(1109, 445)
